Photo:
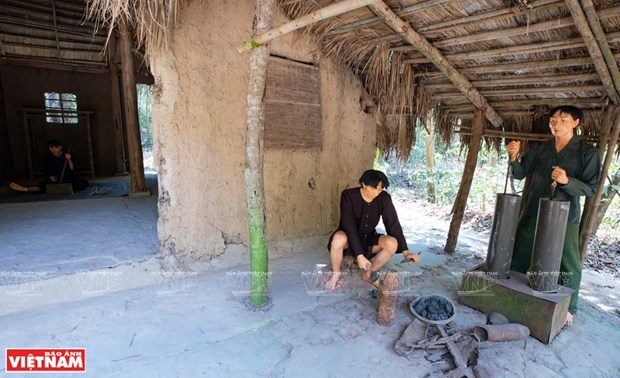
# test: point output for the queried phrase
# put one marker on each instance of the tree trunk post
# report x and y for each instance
(117, 109)
(601, 144)
(458, 210)
(254, 157)
(587, 229)
(429, 153)
(130, 101)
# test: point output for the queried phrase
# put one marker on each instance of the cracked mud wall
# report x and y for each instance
(199, 100)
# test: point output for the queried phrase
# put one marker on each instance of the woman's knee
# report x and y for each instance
(340, 240)
(388, 243)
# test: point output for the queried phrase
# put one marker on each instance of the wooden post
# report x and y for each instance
(587, 228)
(458, 210)
(130, 97)
(117, 111)
(429, 153)
(254, 156)
(601, 144)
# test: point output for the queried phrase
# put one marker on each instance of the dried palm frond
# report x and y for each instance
(151, 20)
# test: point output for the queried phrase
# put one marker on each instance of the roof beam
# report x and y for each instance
(496, 15)
(520, 30)
(532, 48)
(308, 19)
(581, 22)
(522, 66)
(376, 20)
(530, 80)
(603, 41)
(421, 44)
(526, 91)
(531, 102)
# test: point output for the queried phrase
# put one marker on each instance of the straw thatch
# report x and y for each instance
(524, 57)
(520, 57)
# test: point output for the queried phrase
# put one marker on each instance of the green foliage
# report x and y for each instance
(489, 178)
(379, 163)
(144, 116)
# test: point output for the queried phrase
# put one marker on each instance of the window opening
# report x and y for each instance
(61, 108)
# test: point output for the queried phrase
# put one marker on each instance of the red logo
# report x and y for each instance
(50, 360)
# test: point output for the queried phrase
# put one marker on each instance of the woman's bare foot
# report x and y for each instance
(21, 188)
(17, 187)
(410, 258)
(333, 281)
(569, 319)
(371, 277)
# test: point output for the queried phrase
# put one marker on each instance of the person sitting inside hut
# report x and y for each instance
(56, 166)
(360, 210)
(567, 167)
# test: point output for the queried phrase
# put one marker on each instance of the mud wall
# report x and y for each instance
(199, 99)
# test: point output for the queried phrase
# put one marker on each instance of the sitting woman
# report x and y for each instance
(59, 168)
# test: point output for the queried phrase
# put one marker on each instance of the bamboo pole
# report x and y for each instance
(490, 133)
(461, 82)
(594, 101)
(319, 15)
(494, 16)
(601, 39)
(535, 48)
(525, 91)
(254, 158)
(458, 210)
(130, 102)
(511, 81)
(366, 23)
(536, 66)
(587, 229)
(544, 26)
(583, 27)
(601, 144)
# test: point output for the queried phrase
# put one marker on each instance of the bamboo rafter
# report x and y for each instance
(460, 81)
(594, 49)
(319, 15)
(602, 40)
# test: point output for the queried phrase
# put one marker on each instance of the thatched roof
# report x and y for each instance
(50, 32)
(522, 57)
(514, 59)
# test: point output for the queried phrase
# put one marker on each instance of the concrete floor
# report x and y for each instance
(84, 274)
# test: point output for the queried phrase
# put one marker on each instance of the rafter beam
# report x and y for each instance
(532, 102)
(584, 29)
(461, 82)
(496, 15)
(366, 23)
(308, 19)
(526, 91)
(520, 66)
(511, 81)
(502, 33)
(533, 48)
(602, 40)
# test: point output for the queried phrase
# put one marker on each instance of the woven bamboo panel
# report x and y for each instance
(292, 105)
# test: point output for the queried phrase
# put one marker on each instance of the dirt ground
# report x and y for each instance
(136, 320)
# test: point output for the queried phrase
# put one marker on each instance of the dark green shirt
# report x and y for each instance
(581, 162)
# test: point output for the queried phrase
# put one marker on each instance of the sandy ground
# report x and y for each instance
(136, 321)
